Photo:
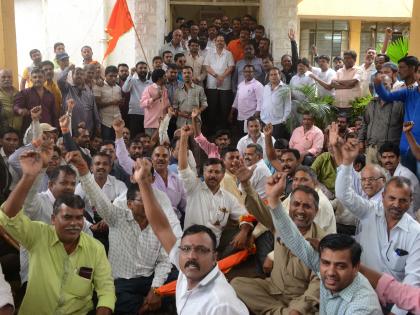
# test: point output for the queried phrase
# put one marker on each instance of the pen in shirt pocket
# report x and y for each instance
(401, 252)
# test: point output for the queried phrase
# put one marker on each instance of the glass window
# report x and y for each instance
(373, 34)
(330, 37)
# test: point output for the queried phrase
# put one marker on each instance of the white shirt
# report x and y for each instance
(415, 187)
(276, 104)
(219, 63)
(245, 140)
(112, 189)
(213, 295)
(259, 178)
(38, 206)
(379, 249)
(6, 296)
(132, 252)
(206, 208)
(298, 81)
(325, 76)
(365, 78)
(325, 217)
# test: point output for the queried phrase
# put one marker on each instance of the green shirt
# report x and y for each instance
(325, 170)
(54, 285)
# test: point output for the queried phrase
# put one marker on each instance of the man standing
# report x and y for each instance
(174, 46)
(53, 288)
(289, 63)
(196, 62)
(390, 237)
(323, 74)
(219, 65)
(7, 97)
(367, 70)
(108, 98)
(201, 287)
(237, 46)
(382, 122)
(249, 59)
(135, 85)
(308, 139)
(123, 72)
(48, 68)
(276, 105)
(82, 98)
(63, 61)
(36, 95)
(188, 97)
(36, 58)
(225, 30)
(248, 99)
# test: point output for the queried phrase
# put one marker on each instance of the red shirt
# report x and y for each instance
(235, 47)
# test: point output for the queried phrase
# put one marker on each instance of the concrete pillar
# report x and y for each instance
(8, 51)
(278, 16)
(354, 42)
(149, 19)
(414, 48)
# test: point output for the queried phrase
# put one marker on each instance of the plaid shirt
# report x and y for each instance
(132, 252)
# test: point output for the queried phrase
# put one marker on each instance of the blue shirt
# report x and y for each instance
(411, 99)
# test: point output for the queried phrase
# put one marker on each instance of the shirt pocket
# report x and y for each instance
(79, 286)
(396, 262)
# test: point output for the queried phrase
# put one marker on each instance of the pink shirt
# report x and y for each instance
(153, 110)
(404, 296)
(209, 148)
(248, 98)
(311, 141)
(343, 97)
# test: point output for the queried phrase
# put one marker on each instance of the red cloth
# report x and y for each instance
(119, 23)
(224, 265)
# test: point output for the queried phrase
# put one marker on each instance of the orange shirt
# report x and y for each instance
(235, 47)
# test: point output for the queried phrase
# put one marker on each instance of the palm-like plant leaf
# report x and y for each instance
(398, 49)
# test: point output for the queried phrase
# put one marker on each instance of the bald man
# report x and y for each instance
(373, 179)
(7, 96)
(175, 45)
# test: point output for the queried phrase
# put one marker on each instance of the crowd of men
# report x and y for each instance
(115, 181)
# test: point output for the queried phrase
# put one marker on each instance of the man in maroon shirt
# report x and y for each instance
(36, 95)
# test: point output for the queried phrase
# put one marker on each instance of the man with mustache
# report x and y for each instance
(139, 262)
(66, 266)
(207, 203)
(390, 159)
(389, 236)
(201, 287)
(111, 187)
(372, 180)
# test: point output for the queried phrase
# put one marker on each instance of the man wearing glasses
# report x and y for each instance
(201, 287)
(390, 238)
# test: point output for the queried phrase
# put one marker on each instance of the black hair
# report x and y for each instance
(294, 152)
(33, 51)
(336, 242)
(140, 63)
(260, 27)
(269, 57)
(122, 65)
(386, 57)
(307, 170)
(156, 58)
(111, 69)
(9, 130)
(196, 228)
(350, 53)
(132, 190)
(102, 154)
(85, 47)
(281, 144)
(222, 132)
(410, 61)
(228, 150)
(188, 67)
(193, 41)
(179, 18)
(172, 66)
(157, 74)
(106, 142)
(47, 63)
(337, 58)
(178, 55)
(325, 57)
(167, 52)
(389, 147)
(66, 169)
(214, 161)
(58, 44)
(303, 61)
(343, 115)
(250, 66)
(360, 159)
(258, 148)
(252, 118)
(37, 70)
(70, 200)
(309, 191)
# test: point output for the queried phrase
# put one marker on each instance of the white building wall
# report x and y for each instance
(41, 23)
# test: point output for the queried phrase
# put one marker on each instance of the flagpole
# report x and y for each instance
(138, 37)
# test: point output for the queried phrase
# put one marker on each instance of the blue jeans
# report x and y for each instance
(131, 293)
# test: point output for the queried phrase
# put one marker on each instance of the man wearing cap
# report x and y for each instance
(63, 61)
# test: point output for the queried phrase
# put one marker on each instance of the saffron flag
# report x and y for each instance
(119, 23)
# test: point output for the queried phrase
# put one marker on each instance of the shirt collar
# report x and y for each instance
(55, 240)
(348, 293)
(403, 224)
(182, 85)
(211, 276)
(50, 196)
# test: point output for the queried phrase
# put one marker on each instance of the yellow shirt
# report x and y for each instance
(27, 76)
(55, 90)
(54, 284)
(6, 101)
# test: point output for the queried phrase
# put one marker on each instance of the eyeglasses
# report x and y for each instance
(200, 250)
(370, 179)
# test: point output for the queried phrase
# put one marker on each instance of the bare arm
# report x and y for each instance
(387, 39)
(186, 131)
(269, 148)
(154, 213)
(325, 85)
